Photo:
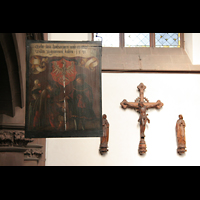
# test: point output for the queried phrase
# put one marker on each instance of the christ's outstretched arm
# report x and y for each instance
(158, 105)
(125, 104)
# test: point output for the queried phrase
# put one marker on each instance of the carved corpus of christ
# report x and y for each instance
(141, 105)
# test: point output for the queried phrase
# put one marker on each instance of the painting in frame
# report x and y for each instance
(63, 89)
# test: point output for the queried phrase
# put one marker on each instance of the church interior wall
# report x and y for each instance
(189, 45)
(192, 48)
(178, 93)
(196, 48)
(15, 124)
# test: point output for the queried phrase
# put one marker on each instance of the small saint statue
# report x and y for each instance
(104, 139)
(180, 133)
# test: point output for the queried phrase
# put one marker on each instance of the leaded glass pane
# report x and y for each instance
(108, 39)
(137, 40)
(167, 39)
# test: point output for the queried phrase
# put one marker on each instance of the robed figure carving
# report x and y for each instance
(141, 105)
(180, 133)
(104, 139)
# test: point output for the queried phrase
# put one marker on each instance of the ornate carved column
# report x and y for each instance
(13, 144)
(33, 154)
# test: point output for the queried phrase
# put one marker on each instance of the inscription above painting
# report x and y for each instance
(63, 89)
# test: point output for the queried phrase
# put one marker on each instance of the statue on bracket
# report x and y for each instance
(104, 139)
(141, 105)
(180, 134)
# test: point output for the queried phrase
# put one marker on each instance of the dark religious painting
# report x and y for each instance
(63, 89)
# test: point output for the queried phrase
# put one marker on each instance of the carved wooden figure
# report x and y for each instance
(104, 139)
(141, 105)
(180, 133)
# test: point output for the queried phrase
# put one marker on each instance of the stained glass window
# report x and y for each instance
(108, 39)
(167, 39)
(137, 40)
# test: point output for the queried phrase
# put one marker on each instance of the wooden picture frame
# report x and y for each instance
(63, 89)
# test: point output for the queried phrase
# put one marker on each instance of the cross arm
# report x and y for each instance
(125, 104)
(157, 105)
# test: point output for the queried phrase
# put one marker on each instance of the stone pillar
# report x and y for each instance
(13, 144)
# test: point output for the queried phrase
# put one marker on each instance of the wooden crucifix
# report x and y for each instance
(141, 105)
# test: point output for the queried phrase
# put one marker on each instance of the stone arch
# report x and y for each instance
(10, 83)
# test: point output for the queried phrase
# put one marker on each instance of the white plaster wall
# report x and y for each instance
(188, 37)
(180, 95)
(196, 49)
(192, 47)
(177, 93)
(69, 36)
